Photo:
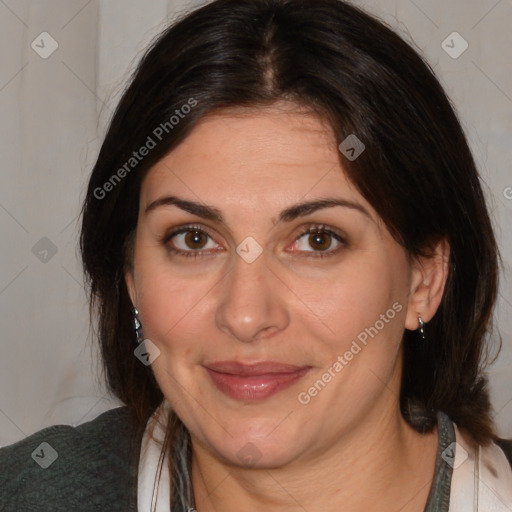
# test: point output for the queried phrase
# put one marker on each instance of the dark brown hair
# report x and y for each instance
(416, 171)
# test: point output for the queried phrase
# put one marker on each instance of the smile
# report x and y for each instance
(251, 383)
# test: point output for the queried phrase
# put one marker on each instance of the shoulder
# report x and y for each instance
(481, 472)
(506, 447)
(62, 467)
(495, 474)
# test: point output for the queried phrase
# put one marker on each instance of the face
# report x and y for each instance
(268, 334)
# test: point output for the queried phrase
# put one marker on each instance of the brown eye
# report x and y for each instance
(320, 241)
(195, 239)
(190, 241)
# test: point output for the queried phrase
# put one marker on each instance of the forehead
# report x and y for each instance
(266, 158)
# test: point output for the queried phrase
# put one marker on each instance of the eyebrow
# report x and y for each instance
(287, 215)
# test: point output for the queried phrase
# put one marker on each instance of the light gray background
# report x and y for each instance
(53, 115)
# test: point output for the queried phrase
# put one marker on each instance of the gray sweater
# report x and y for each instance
(94, 467)
(95, 470)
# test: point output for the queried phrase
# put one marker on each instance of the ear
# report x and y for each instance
(429, 276)
(129, 270)
(130, 284)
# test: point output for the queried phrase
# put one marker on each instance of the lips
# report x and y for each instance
(262, 368)
(253, 382)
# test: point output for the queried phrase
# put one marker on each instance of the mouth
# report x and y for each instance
(253, 382)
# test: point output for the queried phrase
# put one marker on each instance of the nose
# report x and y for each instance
(252, 301)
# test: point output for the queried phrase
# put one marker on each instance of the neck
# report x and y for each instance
(379, 464)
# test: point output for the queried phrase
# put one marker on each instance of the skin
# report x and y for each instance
(350, 441)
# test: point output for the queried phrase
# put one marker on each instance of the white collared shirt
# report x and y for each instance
(151, 450)
(481, 478)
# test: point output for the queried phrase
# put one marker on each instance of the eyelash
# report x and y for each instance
(314, 229)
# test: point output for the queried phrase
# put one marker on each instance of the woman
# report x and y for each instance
(294, 272)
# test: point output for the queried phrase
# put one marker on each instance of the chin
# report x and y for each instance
(258, 446)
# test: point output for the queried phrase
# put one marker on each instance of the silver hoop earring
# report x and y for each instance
(421, 328)
(137, 326)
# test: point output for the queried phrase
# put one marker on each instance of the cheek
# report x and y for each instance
(360, 293)
(174, 322)
(172, 310)
(175, 306)
(365, 309)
